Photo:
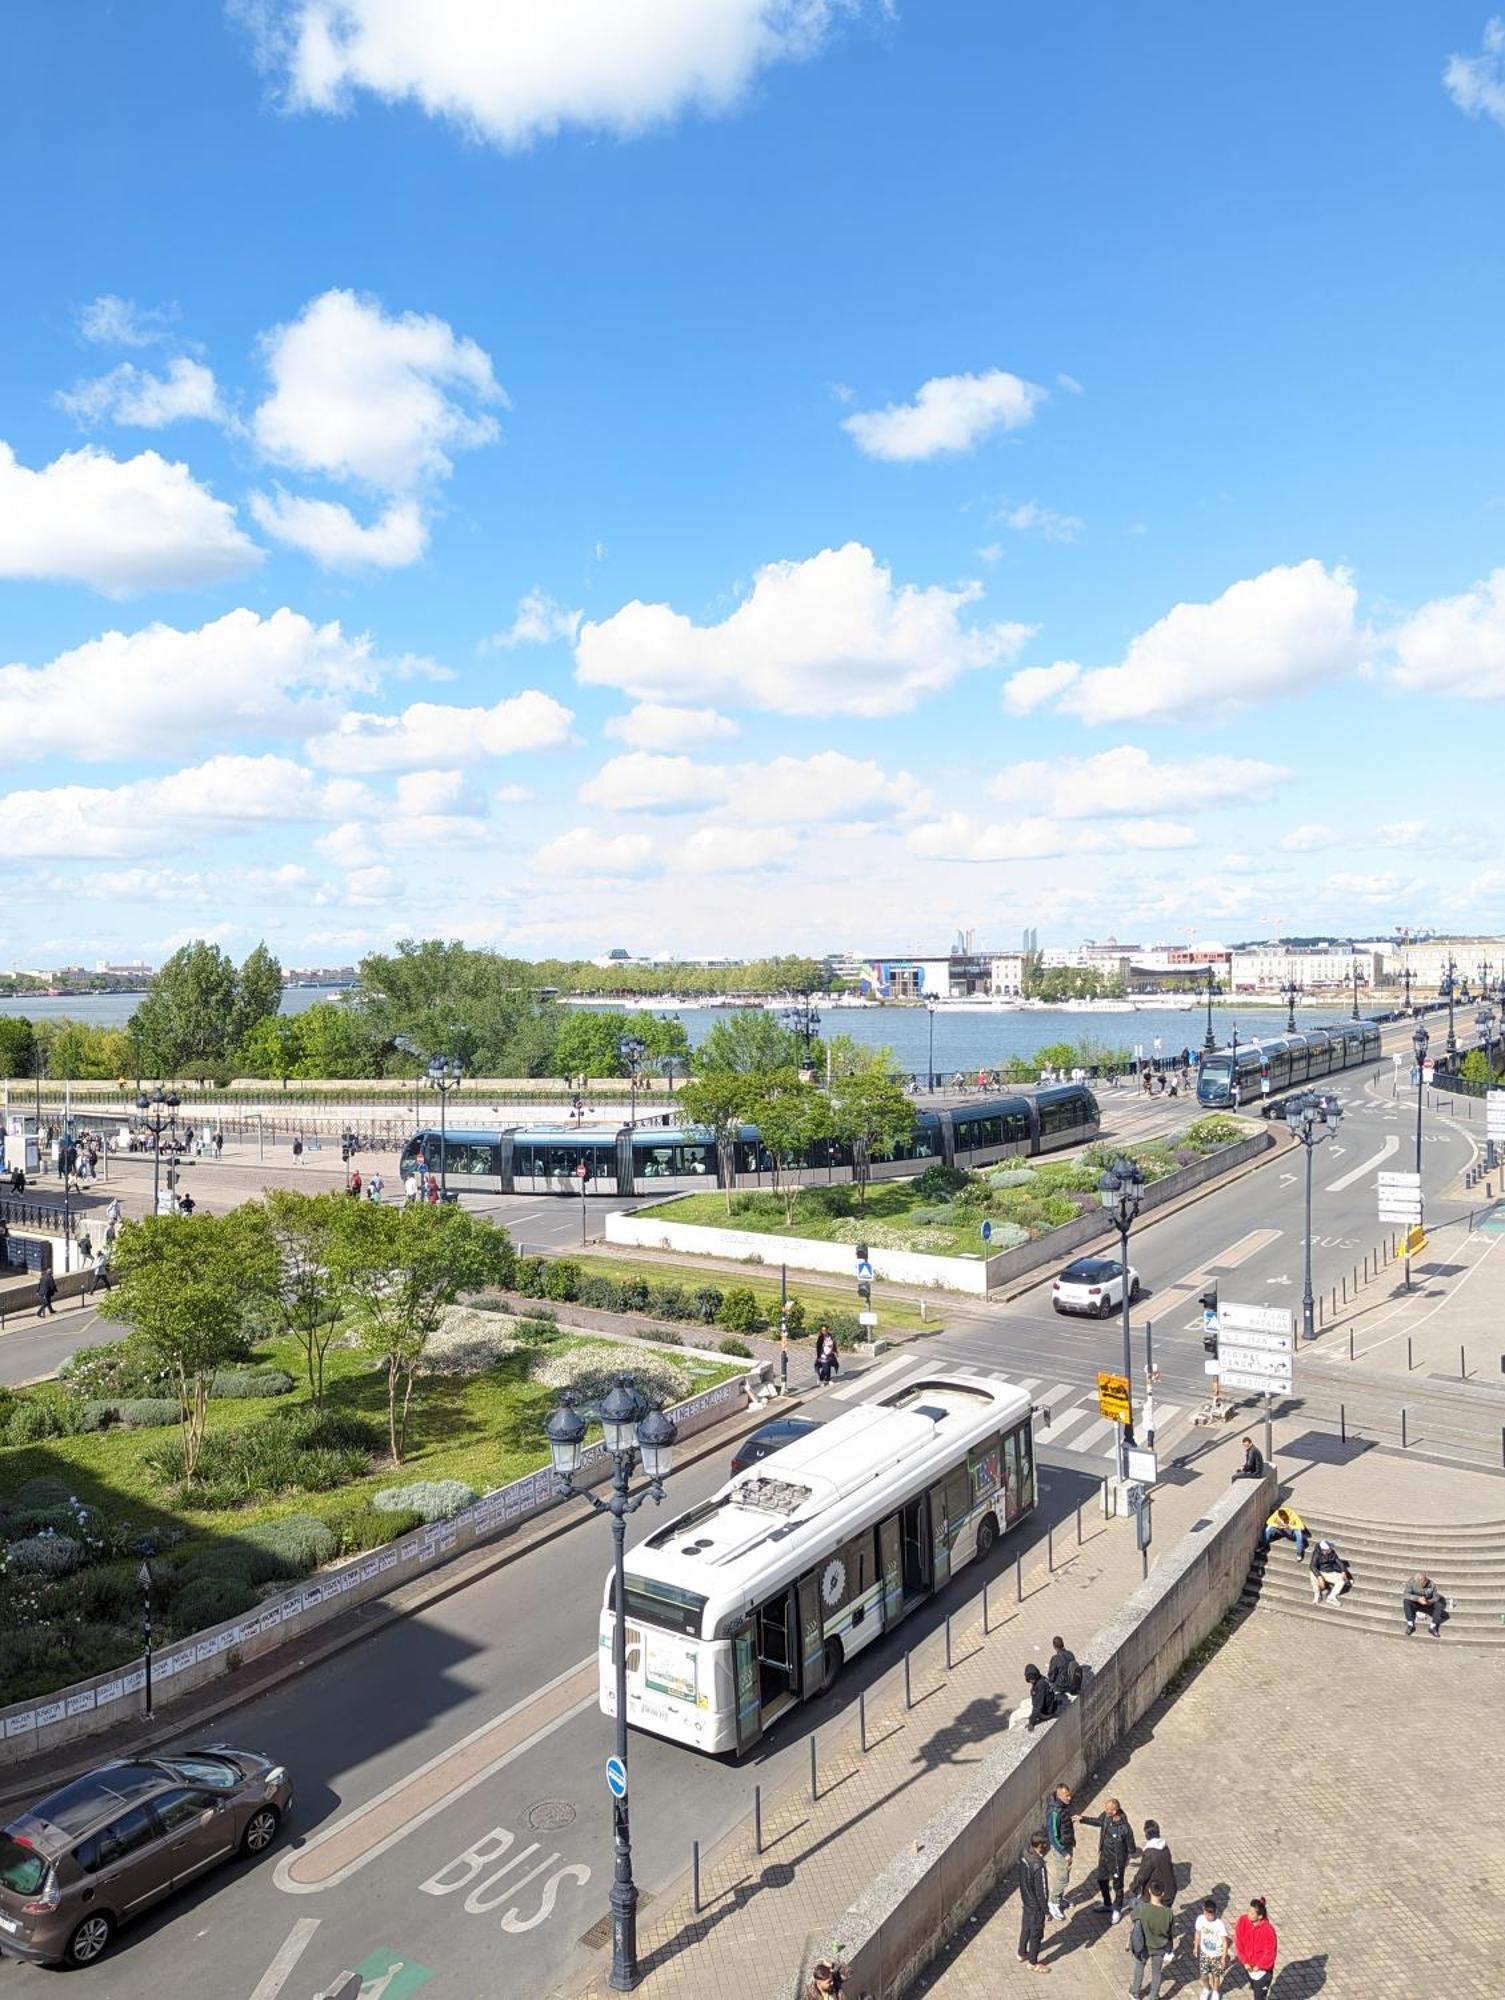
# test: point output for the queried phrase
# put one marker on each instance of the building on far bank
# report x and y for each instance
(1320, 970)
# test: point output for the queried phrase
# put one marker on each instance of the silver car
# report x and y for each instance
(97, 1852)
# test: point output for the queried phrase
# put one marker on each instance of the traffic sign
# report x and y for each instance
(1494, 1114)
(616, 1777)
(1265, 1385)
(1246, 1342)
(864, 1268)
(1428, 1070)
(1142, 1465)
(987, 1231)
(1235, 1319)
(1400, 1197)
(1113, 1397)
(867, 1319)
(1415, 1243)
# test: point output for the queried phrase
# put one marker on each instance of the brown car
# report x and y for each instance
(98, 1852)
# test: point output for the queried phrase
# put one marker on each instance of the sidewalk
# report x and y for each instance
(758, 1913)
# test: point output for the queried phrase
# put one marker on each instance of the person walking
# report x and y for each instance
(114, 1216)
(99, 1273)
(355, 1182)
(1034, 1898)
(1060, 1832)
(1211, 1947)
(1115, 1850)
(410, 1190)
(1156, 1869)
(373, 1188)
(827, 1362)
(1151, 1943)
(46, 1293)
(1286, 1525)
(1255, 1945)
(1064, 1672)
(1421, 1594)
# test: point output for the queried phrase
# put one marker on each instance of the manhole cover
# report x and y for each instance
(549, 1813)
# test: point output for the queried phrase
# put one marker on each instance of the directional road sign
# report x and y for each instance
(1113, 1397)
(1236, 1319)
(616, 1777)
(1494, 1115)
(1264, 1385)
(1400, 1198)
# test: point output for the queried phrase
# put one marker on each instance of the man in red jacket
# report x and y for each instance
(1254, 1943)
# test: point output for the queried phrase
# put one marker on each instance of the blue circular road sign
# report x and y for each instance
(616, 1777)
(987, 1232)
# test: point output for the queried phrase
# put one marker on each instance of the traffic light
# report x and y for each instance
(865, 1291)
(1210, 1322)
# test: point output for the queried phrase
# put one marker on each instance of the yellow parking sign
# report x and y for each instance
(1113, 1397)
(1415, 1243)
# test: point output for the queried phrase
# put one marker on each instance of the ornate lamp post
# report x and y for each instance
(1209, 1040)
(1309, 1122)
(635, 1432)
(445, 1074)
(1121, 1190)
(630, 1049)
(930, 1073)
(1291, 991)
(159, 1114)
(1451, 1044)
(1419, 1042)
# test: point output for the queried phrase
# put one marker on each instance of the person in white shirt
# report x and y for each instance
(1210, 1948)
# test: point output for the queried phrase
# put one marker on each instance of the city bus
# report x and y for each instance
(752, 1602)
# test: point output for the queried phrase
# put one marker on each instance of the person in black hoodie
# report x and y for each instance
(1033, 1896)
(1044, 1703)
(1155, 1865)
(1115, 1850)
(1063, 1673)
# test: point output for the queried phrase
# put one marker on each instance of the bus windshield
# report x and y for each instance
(664, 1605)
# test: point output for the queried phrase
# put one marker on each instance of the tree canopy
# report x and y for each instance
(200, 1009)
(751, 1040)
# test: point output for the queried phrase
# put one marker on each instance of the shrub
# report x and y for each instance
(1011, 1177)
(1206, 1134)
(529, 1277)
(731, 1345)
(124, 1368)
(468, 1342)
(599, 1293)
(300, 1541)
(247, 1382)
(308, 1449)
(739, 1310)
(707, 1303)
(632, 1295)
(429, 1499)
(1007, 1236)
(845, 1328)
(358, 1526)
(670, 1302)
(562, 1280)
(8, 1407)
(45, 1490)
(109, 1596)
(588, 1372)
(96, 1416)
(210, 1600)
(141, 1413)
(940, 1183)
(37, 1418)
(793, 1317)
(44, 1555)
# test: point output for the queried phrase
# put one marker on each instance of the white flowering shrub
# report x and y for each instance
(432, 1499)
(468, 1342)
(589, 1372)
(47, 1554)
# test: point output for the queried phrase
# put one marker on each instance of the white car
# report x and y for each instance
(1093, 1285)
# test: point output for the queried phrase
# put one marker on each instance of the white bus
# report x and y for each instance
(751, 1601)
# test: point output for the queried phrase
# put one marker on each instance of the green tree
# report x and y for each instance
(271, 1049)
(302, 1271)
(792, 1116)
(448, 1000)
(719, 1102)
(666, 1045)
(586, 1041)
(873, 1113)
(752, 1041)
(17, 1046)
(1474, 1067)
(258, 995)
(187, 1287)
(403, 1267)
(332, 1040)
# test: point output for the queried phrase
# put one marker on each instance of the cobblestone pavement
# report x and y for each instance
(1340, 1779)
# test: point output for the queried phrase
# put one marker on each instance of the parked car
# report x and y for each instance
(99, 1851)
(1093, 1285)
(772, 1437)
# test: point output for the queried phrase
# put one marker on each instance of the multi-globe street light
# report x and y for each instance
(159, 1114)
(1121, 1190)
(1209, 1040)
(635, 1432)
(631, 1049)
(1451, 988)
(1419, 1042)
(1311, 1120)
(445, 1073)
(1291, 993)
(930, 1072)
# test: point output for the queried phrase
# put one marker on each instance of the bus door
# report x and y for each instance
(774, 1630)
(745, 1685)
(812, 1637)
(940, 1541)
(891, 1566)
(915, 1520)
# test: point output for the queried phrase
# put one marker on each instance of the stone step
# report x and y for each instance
(1384, 1562)
(1457, 1630)
(1423, 1544)
(1475, 1614)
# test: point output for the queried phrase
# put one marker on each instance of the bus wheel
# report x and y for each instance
(987, 1534)
(832, 1667)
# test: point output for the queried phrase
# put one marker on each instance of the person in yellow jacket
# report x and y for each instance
(1286, 1525)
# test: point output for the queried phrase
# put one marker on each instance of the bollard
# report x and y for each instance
(1050, 1550)
(1403, 1427)
(1019, 1579)
(757, 1819)
(1079, 1524)
(1350, 1343)
(948, 1642)
(908, 1693)
(1502, 1444)
(862, 1719)
(814, 1773)
(1366, 1267)
(985, 1627)
(695, 1875)
(1345, 1291)
(1462, 1364)
(1104, 1496)
(1408, 1354)
(1342, 1425)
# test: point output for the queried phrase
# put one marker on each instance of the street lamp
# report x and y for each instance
(930, 1072)
(1209, 1040)
(801, 1019)
(1419, 1042)
(1290, 990)
(1309, 1122)
(1121, 1190)
(1452, 1040)
(445, 1074)
(635, 1432)
(1406, 979)
(631, 1049)
(1353, 973)
(159, 1114)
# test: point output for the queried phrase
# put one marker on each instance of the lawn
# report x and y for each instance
(829, 1298)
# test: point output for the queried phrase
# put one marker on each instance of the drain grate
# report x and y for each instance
(599, 1933)
(549, 1814)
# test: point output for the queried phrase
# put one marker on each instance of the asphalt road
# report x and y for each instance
(451, 1816)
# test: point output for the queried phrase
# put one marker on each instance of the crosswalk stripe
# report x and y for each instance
(871, 1377)
(1092, 1437)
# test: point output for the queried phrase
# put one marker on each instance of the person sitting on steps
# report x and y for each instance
(1331, 1576)
(1422, 1595)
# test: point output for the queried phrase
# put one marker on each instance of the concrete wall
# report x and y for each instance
(650, 1230)
(927, 1892)
(180, 1665)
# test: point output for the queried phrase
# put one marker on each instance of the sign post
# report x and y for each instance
(1494, 1125)
(1113, 1397)
(1256, 1350)
(1401, 1206)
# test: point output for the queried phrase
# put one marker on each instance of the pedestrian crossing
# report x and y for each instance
(1066, 1414)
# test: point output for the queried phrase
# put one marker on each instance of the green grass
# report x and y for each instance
(832, 1296)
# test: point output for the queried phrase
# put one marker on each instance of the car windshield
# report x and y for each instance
(22, 1869)
(215, 1774)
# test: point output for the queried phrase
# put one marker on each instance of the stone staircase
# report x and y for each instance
(1466, 1561)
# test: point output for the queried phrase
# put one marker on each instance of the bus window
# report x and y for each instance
(983, 1466)
(958, 1503)
(665, 1605)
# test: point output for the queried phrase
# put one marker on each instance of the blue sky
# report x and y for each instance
(716, 475)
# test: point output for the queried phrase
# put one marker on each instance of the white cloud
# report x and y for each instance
(1476, 84)
(330, 533)
(110, 321)
(1126, 782)
(374, 884)
(130, 694)
(1309, 839)
(1372, 888)
(959, 837)
(1149, 834)
(1275, 634)
(1404, 833)
(952, 413)
(641, 782)
(430, 734)
(426, 793)
(132, 395)
(654, 726)
(831, 635)
(584, 851)
(1030, 518)
(1034, 686)
(511, 71)
(733, 850)
(1456, 645)
(787, 791)
(539, 620)
(356, 395)
(117, 525)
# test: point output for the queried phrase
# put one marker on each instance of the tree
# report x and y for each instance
(302, 1271)
(271, 1049)
(331, 1040)
(586, 1041)
(187, 1285)
(17, 1046)
(874, 1114)
(720, 1103)
(258, 995)
(403, 1267)
(451, 1001)
(751, 1041)
(200, 1009)
(792, 1116)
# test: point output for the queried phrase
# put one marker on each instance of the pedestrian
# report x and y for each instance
(297, 1149)
(1253, 1464)
(373, 1187)
(355, 1182)
(219, 1145)
(826, 1978)
(46, 1293)
(1331, 1576)
(1115, 1850)
(1064, 1672)
(1151, 1943)
(100, 1273)
(1060, 1831)
(1255, 1945)
(1156, 1869)
(1211, 1947)
(1421, 1594)
(827, 1361)
(433, 1190)
(186, 1204)
(1044, 1704)
(85, 1247)
(1286, 1525)
(114, 1214)
(4, 1243)
(1033, 1901)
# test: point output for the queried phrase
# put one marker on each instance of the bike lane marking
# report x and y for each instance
(334, 1854)
(282, 1966)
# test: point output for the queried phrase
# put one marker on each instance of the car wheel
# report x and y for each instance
(261, 1830)
(89, 1939)
(1134, 1290)
(1106, 1309)
(987, 1534)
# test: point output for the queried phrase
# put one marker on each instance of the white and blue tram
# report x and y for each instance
(1246, 1072)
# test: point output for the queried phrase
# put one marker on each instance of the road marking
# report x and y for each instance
(871, 1377)
(335, 1854)
(1387, 1148)
(385, 1976)
(1094, 1434)
(281, 1968)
